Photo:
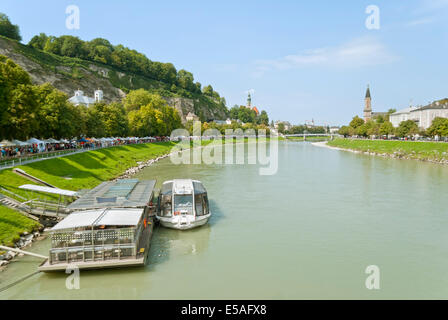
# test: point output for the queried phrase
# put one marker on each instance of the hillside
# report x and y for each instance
(69, 74)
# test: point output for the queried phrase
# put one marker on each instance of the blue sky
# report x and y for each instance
(302, 60)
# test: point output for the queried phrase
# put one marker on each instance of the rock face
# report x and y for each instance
(88, 77)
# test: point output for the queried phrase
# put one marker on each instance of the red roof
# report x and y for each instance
(256, 110)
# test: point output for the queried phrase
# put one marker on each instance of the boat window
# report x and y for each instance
(166, 206)
(198, 200)
(205, 203)
(183, 204)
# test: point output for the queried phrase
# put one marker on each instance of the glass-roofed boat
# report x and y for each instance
(110, 226)
(183, 204)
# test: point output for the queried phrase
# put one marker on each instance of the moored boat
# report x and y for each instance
(183, 204)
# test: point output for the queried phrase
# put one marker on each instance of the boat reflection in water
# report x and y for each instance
(183, 204)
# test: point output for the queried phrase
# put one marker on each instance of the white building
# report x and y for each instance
(401, 115)
(80, 99)
(191, 117)
(423, 116)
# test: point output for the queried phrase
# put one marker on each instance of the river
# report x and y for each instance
(307, 232)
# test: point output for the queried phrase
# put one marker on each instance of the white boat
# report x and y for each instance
(183, 204)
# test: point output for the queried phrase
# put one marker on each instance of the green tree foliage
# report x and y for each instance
(386, 128)
(138, 98)
(38, 42)
(407, 128)
(7, 29)
(57, 117)
(264, 119)
(439, 127)
(356, 122)
(43, 111)
(281, 127)
(17, 101)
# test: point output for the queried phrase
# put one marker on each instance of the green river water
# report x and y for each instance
(307, 232)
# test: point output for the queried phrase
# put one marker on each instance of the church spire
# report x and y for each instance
(249, 100)
(368, 92)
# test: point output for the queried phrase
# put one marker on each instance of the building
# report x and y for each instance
(334, 129)
(80, 99)
(286, 125)
(401, 115)
(191, 117)
(249, 104)
(368, 113)
(422, 116)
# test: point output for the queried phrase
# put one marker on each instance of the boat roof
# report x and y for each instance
(62, 192)
(101, 217)
(182, 186)
(124, 193)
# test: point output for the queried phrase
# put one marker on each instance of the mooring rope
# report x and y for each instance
(18, 281)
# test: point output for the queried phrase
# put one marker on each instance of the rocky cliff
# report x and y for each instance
(70, 74)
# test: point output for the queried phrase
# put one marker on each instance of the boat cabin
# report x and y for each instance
(111, 225)
(183, 204)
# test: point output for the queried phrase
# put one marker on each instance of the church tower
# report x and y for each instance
(368, 106)
(249, 101)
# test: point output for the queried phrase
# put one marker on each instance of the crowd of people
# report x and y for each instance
(17, 149)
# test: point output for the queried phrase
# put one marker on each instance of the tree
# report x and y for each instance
(57, 118)
(38, 42)
(386, 128)
(407, 128)
(7, 29)
(17, 101)
(136, 99)
(208, 90)
(264, 119)
(115, 120)
(356, 122)
(439, 127)
(281, 127)
(345, 131)
(185, 80)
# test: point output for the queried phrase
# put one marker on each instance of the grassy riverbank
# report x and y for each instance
(13, 224)
(79, 171)
(419, 150)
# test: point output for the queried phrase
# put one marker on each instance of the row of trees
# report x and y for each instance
(300, 129)
(28, 110)
(248, 115)
(381, 127)
(102, 51)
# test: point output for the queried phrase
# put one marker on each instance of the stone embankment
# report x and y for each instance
(25, 241)
(140, 166)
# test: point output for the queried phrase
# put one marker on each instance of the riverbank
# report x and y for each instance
(309, 138)
(435, 152)
(73, 172)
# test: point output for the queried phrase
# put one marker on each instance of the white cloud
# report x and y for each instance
(421, 21)
(251, 91)
(357, 53)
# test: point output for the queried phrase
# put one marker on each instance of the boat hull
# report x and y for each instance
(169, 223)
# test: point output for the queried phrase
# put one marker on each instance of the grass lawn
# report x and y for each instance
(12, 224)
(413, 149)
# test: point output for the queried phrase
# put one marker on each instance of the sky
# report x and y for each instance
(301, 60)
